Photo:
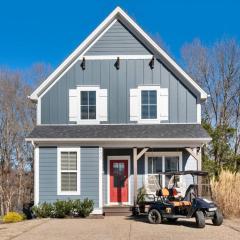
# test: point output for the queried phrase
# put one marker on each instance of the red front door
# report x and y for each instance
(119, 181)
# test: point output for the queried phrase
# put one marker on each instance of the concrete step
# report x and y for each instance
(117, 210)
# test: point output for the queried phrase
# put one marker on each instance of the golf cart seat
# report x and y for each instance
(180, 203)
(165, 193)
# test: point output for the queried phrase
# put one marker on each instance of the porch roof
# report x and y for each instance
(120, 131)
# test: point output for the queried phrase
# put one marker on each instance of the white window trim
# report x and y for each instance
(88, 88)
(148, 88)
(108, 179)
(163, 155)
(67, 149)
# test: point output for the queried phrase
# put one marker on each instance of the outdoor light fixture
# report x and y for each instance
(83, 64)
(117, 63)
(151, 64)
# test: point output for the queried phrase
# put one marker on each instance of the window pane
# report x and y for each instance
(84, 112)
(72, 161)
(144, 112)
(92, 98)
(153, 111)
(159, 164)
(171, 164)
(150, 165)
(68, 161)
(153, 97)
(92, 112)
(144, 97)
(68, 181)
(84, 98)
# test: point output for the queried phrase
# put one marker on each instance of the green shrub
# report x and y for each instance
(13, 217)
(43, 210)
(76, 207)
(61, 208)
(86, 207)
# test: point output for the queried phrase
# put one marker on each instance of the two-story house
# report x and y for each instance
(118, 110)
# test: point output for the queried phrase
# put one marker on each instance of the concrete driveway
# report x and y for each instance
(116, 228)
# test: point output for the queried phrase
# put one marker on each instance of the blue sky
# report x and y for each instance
(48, 30)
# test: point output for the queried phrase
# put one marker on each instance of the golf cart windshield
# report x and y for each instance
(186, 183)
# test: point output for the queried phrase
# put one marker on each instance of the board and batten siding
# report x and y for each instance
(132, 73)
(117, 40)
(89, 175)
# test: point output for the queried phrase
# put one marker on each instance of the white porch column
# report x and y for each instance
(136, 156)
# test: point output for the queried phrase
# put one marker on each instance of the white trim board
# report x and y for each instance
(36, 175)
(117, 13)
(127, 157)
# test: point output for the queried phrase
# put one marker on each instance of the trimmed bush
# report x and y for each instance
(13, 217)
(86, 207)
(61, 209)
(44, 210)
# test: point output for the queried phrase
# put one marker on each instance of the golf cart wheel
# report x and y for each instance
(200, 219)
(218, 218)
(172, 220)
(154, 216)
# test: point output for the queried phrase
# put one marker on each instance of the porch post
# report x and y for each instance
(136, 156)
(135, 174)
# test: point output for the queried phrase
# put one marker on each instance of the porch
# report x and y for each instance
(126, 170)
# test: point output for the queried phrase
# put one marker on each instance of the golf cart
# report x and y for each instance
(188, 195)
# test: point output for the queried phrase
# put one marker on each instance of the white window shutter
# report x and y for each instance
(163, 104)
(103, 105)
(134, 104)
(73, 105)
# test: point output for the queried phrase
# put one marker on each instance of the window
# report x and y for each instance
(68, 171)
(161, 162)
(88, 104)
(149, 104)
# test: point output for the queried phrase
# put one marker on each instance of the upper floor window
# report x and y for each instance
(149, 104)
(88, 104)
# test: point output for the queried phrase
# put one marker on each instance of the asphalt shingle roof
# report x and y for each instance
(120, 131)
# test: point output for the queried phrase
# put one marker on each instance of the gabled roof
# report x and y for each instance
(119, 14)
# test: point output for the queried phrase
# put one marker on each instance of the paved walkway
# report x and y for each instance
(116, 228)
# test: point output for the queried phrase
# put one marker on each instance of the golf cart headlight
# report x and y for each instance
(212, 209)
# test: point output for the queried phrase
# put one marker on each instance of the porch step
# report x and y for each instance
(117, 210)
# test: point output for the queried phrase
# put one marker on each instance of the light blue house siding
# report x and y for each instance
(117, 40)
(132, 73)
(89, 175)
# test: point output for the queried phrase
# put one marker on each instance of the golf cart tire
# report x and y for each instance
(218, 218)
(172, 220)
(154, 216)
(200, 219)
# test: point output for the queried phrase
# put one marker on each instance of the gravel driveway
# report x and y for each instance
(115, 228)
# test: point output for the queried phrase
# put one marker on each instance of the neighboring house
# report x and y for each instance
(113, 114)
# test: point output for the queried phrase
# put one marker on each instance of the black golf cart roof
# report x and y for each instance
(192, 172)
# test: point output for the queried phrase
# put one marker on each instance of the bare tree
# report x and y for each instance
(17, 118)
(217, 69)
